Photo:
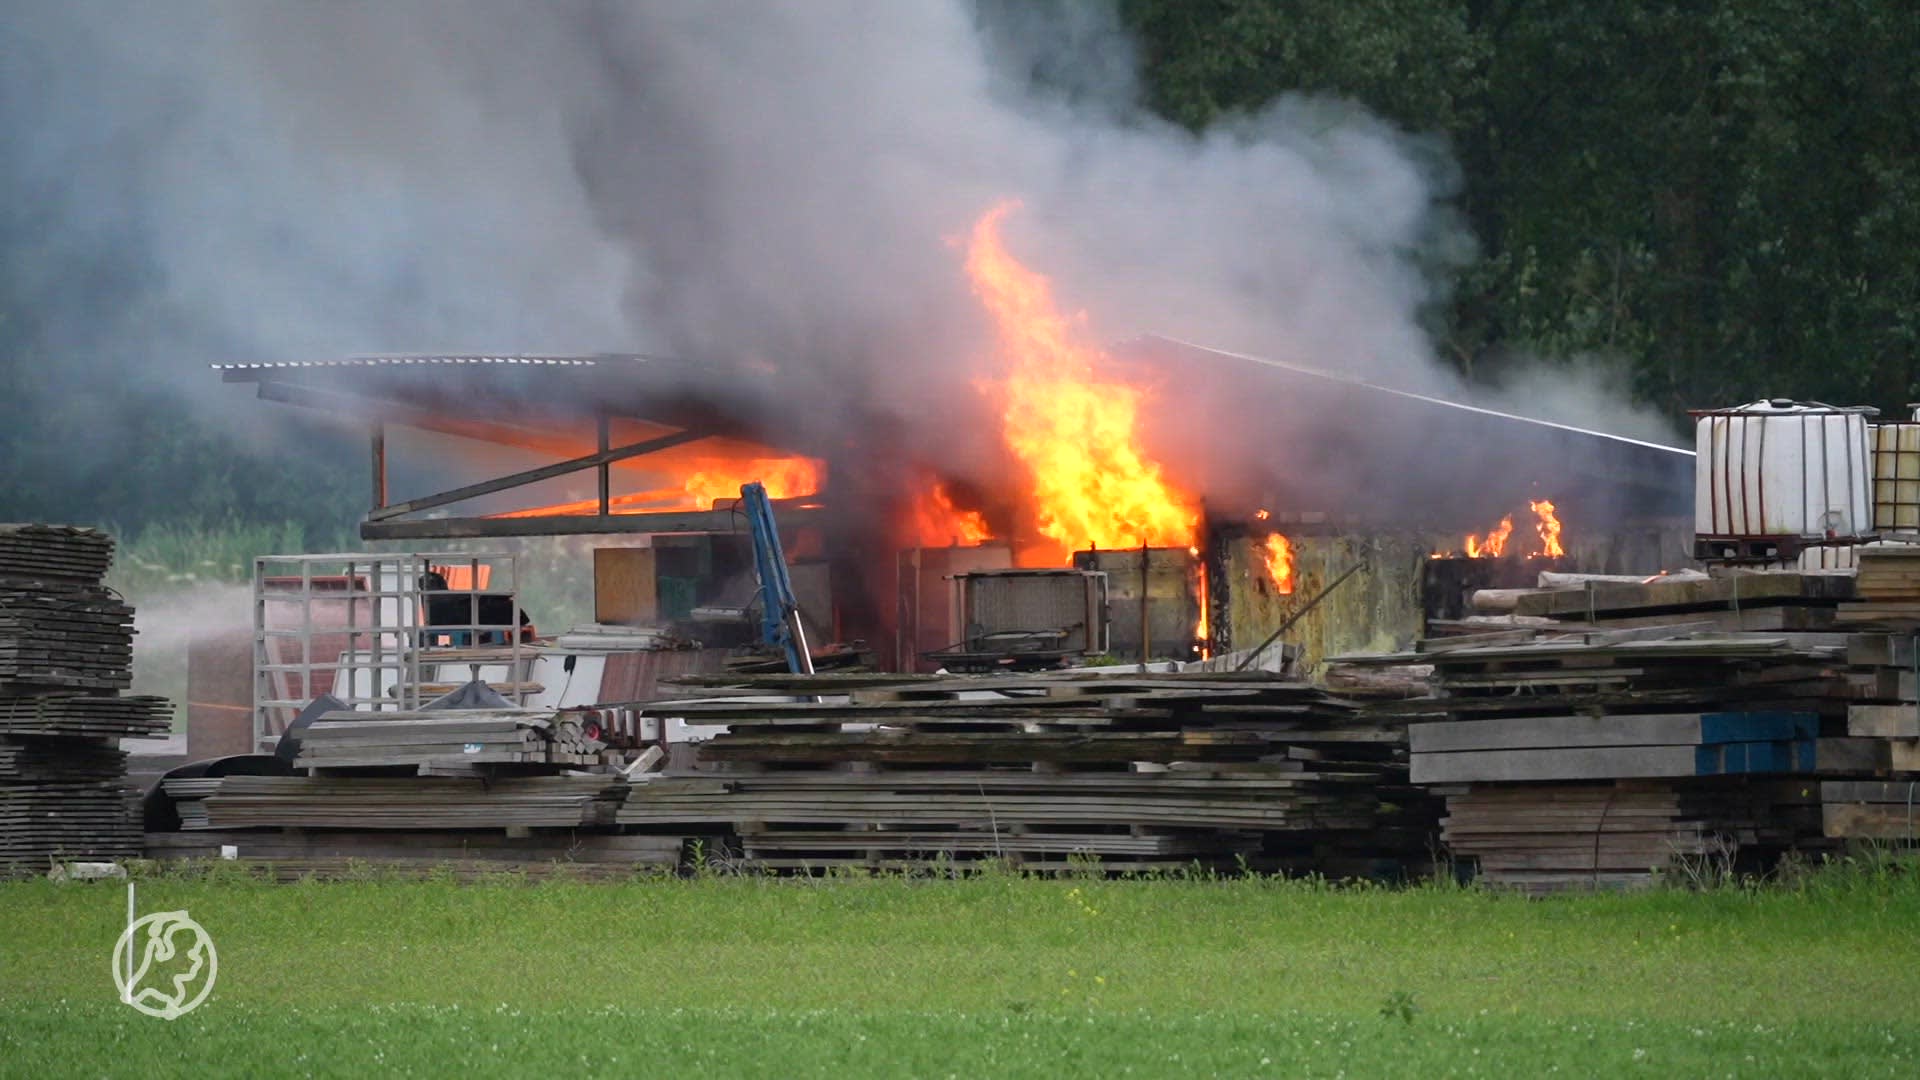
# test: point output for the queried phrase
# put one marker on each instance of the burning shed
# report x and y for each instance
(1217, 495)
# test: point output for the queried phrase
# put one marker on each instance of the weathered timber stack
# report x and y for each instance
(1734, 601)
(466, 855)
(466, 791)
(1611, 758)
(66, 646)
(1138, 772)
(399, 803)
(1632, 738)
(443, 740)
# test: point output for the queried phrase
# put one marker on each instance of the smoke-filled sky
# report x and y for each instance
(776, 182)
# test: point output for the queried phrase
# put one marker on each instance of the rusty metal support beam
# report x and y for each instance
(377, 439)
(605, 468)
(534, 476)
(798, 513)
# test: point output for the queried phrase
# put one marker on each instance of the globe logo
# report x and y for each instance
(164, 965)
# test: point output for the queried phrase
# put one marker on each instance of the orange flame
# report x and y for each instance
(1279, 557)
(696, 477)
(1548, 527)
(1203, 629)
(937, 522)
(1494, 544)
(1092, 483)
(718, 478)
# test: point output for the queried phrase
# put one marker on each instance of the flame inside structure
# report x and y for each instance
(938, 522)
(1090, 482)
(1548, 527)
(1278, 553)
(715, 479)
(1494, 544)
(697, 479)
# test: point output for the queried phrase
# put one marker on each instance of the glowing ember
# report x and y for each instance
(1549, 529)
(1091, 482)
(1494, 544)
(1278, 553)
(1261, 515)
(937, 522)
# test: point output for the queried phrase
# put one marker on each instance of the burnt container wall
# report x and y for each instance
(1383, 606)
(1169, 579)
(1378, 609)
(927, 617)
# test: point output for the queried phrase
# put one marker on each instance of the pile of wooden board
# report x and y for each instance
(61, 553)
(437, 739)
(1545, 837)
(1885, 710)
(465, 855)
(1137, 771)
(64, 639)
(1718, 742)
(1732, 600)
(361, 803)
(1887, 583)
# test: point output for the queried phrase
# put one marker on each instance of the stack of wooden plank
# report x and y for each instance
(1885, 710)
(465, 855)
(63, 553)
(1535, 737)
(1134, 770)
(64, 636)
(437, 738)
(1545, 837)
(1887, 582)
(361, 803)
(85, 716)
(1880, 810)
(64, 640)
(1735, 600)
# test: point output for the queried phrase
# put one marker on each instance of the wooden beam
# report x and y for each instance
(534, 476)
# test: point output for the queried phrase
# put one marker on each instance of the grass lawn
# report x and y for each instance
(997, 975)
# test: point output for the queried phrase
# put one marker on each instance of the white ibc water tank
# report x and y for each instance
(1783, 469)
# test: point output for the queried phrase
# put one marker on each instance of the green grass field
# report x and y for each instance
(997, 975)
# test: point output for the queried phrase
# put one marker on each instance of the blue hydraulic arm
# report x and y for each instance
(779, 611)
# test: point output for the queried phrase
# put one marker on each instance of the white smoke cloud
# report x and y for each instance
(774, 181)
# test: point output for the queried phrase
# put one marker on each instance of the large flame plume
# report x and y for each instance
(1075, 431)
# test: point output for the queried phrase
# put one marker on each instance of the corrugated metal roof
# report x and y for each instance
(426, 359)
